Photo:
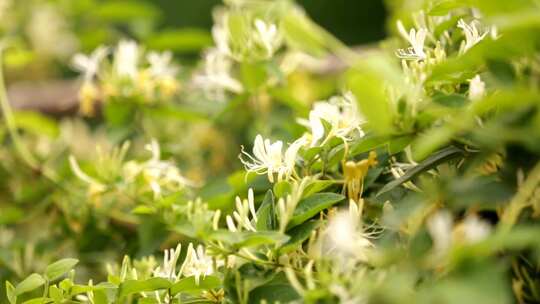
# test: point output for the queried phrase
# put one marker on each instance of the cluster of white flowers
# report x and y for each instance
(472, 35)
(244, 208)
(215, 76)
(269, 158)
(127, 75)
(196, 264)
(339, 117)
(157, 174)
(340, 113)
(444, 233)
(416, 39)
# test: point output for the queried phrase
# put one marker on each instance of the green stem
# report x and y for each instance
(10, 122)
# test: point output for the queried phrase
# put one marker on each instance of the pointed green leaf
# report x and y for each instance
(59, 268)
(32, 282)
(133, 286)
(312, 205)
(190, 285)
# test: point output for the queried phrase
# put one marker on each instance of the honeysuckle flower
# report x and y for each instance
(345, 237)
(126, 58)
(472, 229)
(215, 79)
(267, 35)
(168, 269)
(342, 115)
(477, 88)
(220, 33)
(439, 226)
(472, 35)
(416, 39)
(161, 65)
(157, 173)
(89, 65)
(268, 158)
(199, 264)
(244, 210)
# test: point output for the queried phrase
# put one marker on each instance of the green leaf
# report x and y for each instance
(429, 163)
(317, 186)
(368, 81)
(298, 235)
(59, 268)
(40, 300)
(185, 40)
(249, 238)
(312, 205)
(133, 286)
(36, 123)
(301, 33)
(266, 213)
(175, 112)
(119, 113)
(55, 293)
(272, 293)
(253, 75)
(32, 282)
(11, 293)
(189, 284)
(125, 11)
(282, 188)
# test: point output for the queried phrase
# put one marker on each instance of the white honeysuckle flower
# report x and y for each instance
(89, 65)
(475, 229)
(244, 208)
(199, 264)
(340, 112)
(215, 79)
(477, 88)
(220, 32)
(268, 158)
(157, 173)
(416, 39)
(161, 64)
(168, 269)
(126, 58)
(345, 237)
(472, 35)
(440, 226)
(267, 34)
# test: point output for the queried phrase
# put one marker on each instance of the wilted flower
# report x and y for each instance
(268, 158)
(416, 38)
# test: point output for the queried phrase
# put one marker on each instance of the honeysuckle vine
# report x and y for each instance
(413, 179)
